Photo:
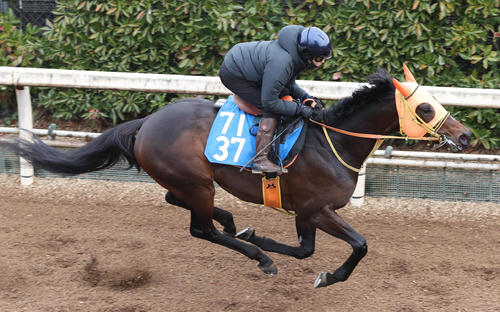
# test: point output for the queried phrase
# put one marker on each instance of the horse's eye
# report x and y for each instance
(425, 111)
(427, 108)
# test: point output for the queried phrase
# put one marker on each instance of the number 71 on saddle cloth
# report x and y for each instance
(230, 141)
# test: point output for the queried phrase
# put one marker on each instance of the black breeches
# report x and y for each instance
(248, 90)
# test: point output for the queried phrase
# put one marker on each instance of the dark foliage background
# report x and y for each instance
(446, 43)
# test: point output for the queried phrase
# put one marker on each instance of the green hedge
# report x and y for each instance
(15, 50)
(445, 44)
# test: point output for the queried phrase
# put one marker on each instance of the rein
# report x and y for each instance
(375, 147)
(415, 118)
(372, 136)
(380, 138)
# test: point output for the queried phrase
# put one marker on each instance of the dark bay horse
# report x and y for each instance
(169, 145)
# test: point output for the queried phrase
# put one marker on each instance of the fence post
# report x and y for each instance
(358, 197)
(25, 122)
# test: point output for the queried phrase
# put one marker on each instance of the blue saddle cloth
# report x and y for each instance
(232, 138)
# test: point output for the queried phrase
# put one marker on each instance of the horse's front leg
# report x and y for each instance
(306, 234)
(329, 221)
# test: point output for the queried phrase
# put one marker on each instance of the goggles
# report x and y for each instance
(320, 59)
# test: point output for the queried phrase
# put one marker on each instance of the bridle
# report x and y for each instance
(380, 137)
(407, 117)
(432, 130)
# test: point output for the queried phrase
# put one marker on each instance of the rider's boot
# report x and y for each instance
(261, 164)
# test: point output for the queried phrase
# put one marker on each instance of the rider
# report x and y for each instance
(261, 72)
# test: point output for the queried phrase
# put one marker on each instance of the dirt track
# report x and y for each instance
(75, 245)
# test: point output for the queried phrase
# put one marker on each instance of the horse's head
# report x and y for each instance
(420, 113)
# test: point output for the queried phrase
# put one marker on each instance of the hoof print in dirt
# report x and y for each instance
(121, 277)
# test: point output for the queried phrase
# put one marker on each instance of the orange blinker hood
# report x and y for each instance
(408, 97)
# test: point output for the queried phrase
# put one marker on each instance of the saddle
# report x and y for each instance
(232, 138)
(290, 124)
(246, 107)
(284, 124)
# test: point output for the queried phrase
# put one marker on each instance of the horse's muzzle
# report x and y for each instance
(462, 142)
(464, 139)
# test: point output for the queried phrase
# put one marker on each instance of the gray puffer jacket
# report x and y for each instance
(273, 65)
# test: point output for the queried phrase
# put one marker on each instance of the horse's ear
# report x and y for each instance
(408, 75)
(405, 91)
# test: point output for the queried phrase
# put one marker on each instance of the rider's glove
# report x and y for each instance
(309, 100)
(316, 114)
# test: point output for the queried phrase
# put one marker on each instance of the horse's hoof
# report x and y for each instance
(246, 234)
(320, 280)
(269, 269)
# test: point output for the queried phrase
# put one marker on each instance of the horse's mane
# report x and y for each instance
(379, 88)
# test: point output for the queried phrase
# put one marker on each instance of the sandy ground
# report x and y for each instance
(80, 245)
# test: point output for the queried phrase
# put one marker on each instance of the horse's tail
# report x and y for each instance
(100, 153)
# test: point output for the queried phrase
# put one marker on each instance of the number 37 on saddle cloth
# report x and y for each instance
(232, 138)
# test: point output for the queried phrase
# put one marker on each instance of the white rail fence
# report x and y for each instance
(22, 78)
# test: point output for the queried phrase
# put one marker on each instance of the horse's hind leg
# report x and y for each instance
(225, 218)
(202, 211)
(306, 234)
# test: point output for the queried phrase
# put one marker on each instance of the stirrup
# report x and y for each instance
(282, 170)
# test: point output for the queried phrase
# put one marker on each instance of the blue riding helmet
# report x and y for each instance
(312, 43)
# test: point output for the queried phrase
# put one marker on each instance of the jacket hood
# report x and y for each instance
(287, 39)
